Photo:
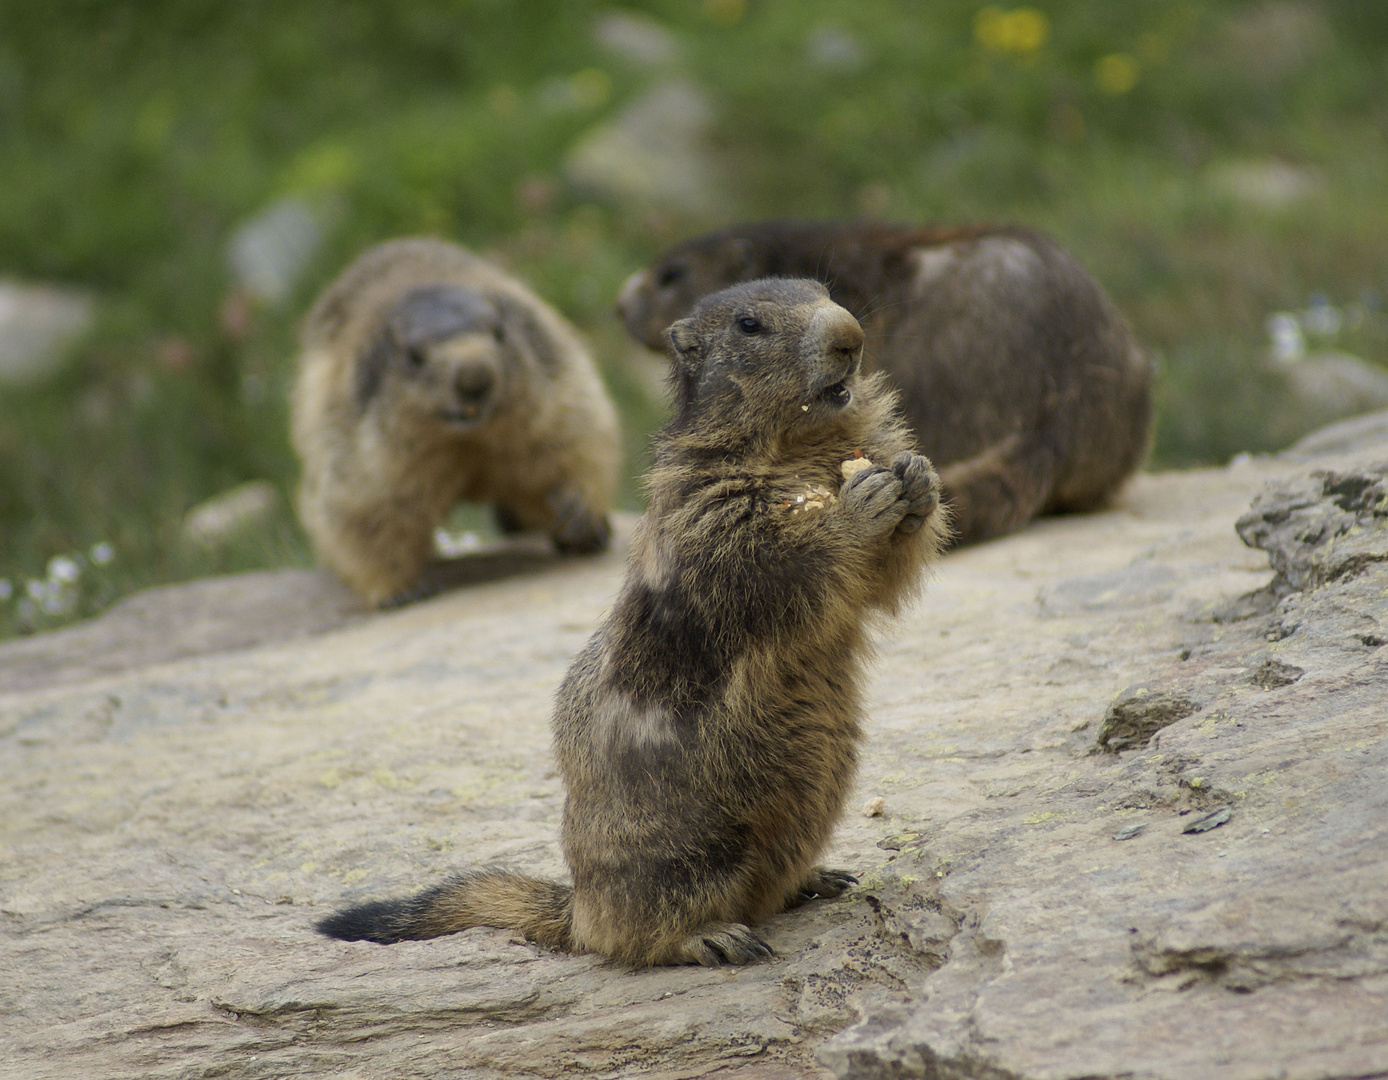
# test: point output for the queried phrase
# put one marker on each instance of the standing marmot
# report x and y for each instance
(707, 734)
(1020, 378)
(427, 377)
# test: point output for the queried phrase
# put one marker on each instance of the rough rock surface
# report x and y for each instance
(1203, 893)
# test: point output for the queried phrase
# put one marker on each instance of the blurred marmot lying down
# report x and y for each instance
(708, 732)
(427, 376)
(1022, 381)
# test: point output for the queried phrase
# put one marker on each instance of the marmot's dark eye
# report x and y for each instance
(749, 325)
(669, 275)
(415, 356)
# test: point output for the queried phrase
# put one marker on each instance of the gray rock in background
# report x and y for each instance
(1361, 433)
(1331, 384)
(37, 323)
(172, 823)
(639, 40)
(230, 514)
(1266, 185)
(269, 252)
(653, 153)
(834, 48)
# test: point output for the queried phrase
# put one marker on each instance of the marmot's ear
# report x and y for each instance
(372, 364)
(523, 330)
(684, 342)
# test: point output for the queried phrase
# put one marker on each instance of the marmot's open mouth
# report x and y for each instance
(837, 395)
(463, 414)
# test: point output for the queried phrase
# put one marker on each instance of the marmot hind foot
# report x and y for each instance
(824, 884)
(723, 943)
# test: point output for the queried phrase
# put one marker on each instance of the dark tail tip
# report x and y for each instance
(381, 921)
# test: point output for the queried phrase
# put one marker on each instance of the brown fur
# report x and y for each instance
(1020, 379)
(428, 376)
(707, 734)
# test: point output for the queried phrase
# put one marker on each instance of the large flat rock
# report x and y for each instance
(178, 804)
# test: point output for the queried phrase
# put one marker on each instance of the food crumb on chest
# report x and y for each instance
(819, 497)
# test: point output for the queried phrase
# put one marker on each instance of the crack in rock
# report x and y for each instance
(1274, 674)
(1351, 953)
(1138, 713)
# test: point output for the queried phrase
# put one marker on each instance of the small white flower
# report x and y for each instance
(1322, 318)
(1288, 342)
(36, 589)
(102, 553)
(6, 589)
(64, 569)
(450, 545)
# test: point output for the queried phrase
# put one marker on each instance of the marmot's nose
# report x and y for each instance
(840, 333)
(472, 383)
(629, 302)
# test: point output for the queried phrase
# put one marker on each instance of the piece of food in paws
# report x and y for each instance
(854, 465)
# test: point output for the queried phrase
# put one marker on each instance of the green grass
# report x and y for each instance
(134, 137)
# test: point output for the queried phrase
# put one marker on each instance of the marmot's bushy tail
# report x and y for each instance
(541, 910)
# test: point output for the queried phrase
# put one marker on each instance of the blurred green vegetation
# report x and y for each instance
(135, 137)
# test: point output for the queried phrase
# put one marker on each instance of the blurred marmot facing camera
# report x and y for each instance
(1020, 378)
(427, 376)
(708, 732)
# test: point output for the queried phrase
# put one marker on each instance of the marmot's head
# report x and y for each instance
(765, 358)
(444, 351)
(651, 299)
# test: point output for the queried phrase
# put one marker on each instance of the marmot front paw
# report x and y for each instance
(578, 529)
(875, 495)
(920, 490)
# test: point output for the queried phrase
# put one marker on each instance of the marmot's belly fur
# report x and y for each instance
(1021, 380)
(428, 376)
(707, 734)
